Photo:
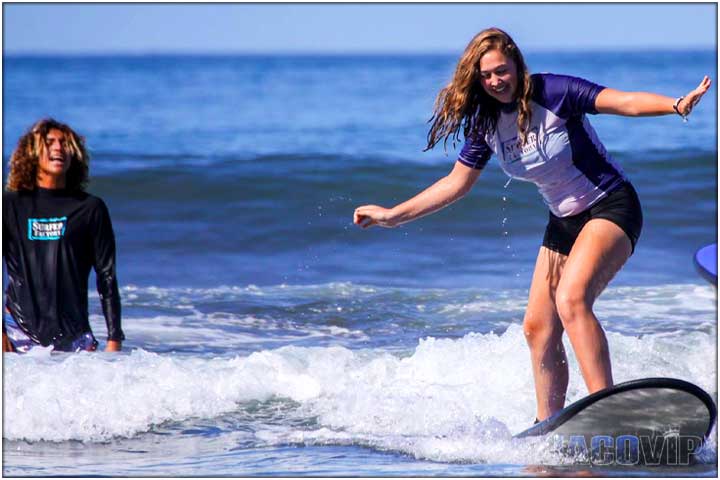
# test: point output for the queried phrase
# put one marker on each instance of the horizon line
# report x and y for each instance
(169, 52)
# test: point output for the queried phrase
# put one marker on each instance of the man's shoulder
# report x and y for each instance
(88, 199)
(92, 203)
(11, 197)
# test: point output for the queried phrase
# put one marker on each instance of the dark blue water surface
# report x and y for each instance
(237, 170)
(231, 182)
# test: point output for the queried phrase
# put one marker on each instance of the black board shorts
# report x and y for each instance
(621, 206)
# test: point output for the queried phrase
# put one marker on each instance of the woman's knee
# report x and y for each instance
(573, 303)
(540, 330)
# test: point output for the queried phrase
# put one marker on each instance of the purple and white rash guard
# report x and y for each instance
(562, 156)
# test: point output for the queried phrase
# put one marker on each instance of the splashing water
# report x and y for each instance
(504, 226)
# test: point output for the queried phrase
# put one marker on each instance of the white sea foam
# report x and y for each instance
(646, 309)
(224, 292)
(223, 330)
(448, 400)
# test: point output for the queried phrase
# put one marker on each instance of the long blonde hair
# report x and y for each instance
(463, 103)
(31, 146)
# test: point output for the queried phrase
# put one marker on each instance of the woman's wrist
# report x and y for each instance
(394, 215)
(678, 110)
(676, 105)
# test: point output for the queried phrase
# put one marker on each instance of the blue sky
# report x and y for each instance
(272, 28)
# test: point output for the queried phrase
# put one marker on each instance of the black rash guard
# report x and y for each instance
(51, 239)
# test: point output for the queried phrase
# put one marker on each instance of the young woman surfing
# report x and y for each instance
(537, 127)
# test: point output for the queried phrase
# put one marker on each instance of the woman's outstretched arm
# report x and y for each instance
(437, 196)
(638, 104)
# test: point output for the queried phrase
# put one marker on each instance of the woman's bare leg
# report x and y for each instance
(543, 332)
(599, 252)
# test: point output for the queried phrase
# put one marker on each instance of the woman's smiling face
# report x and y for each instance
(498, 74)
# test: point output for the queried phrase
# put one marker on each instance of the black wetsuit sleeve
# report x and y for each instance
(6, 229)
(104, 264)
(6, 226)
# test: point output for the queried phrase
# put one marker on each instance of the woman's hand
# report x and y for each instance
(691, 99)
(643, 104)
(438, 195)
(369, 215)
(7, 346)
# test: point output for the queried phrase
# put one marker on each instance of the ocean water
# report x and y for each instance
(267, 335)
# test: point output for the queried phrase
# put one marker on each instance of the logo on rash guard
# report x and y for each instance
(513, 150)
(46, 228)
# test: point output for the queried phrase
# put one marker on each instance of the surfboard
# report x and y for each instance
(651, 421)
(706, 262)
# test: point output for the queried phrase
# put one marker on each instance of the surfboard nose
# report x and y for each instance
(706, 262)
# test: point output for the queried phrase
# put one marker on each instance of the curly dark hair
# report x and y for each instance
(30, 147)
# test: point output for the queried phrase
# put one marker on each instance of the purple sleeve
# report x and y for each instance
(564, 95)
(475, 153)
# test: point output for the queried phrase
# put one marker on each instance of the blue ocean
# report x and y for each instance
(269, 336)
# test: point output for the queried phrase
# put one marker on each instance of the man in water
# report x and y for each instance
(53, 234)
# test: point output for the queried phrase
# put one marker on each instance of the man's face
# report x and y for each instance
(54, 160)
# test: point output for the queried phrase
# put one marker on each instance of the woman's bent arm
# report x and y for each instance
(439, 195)
(637, 104)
